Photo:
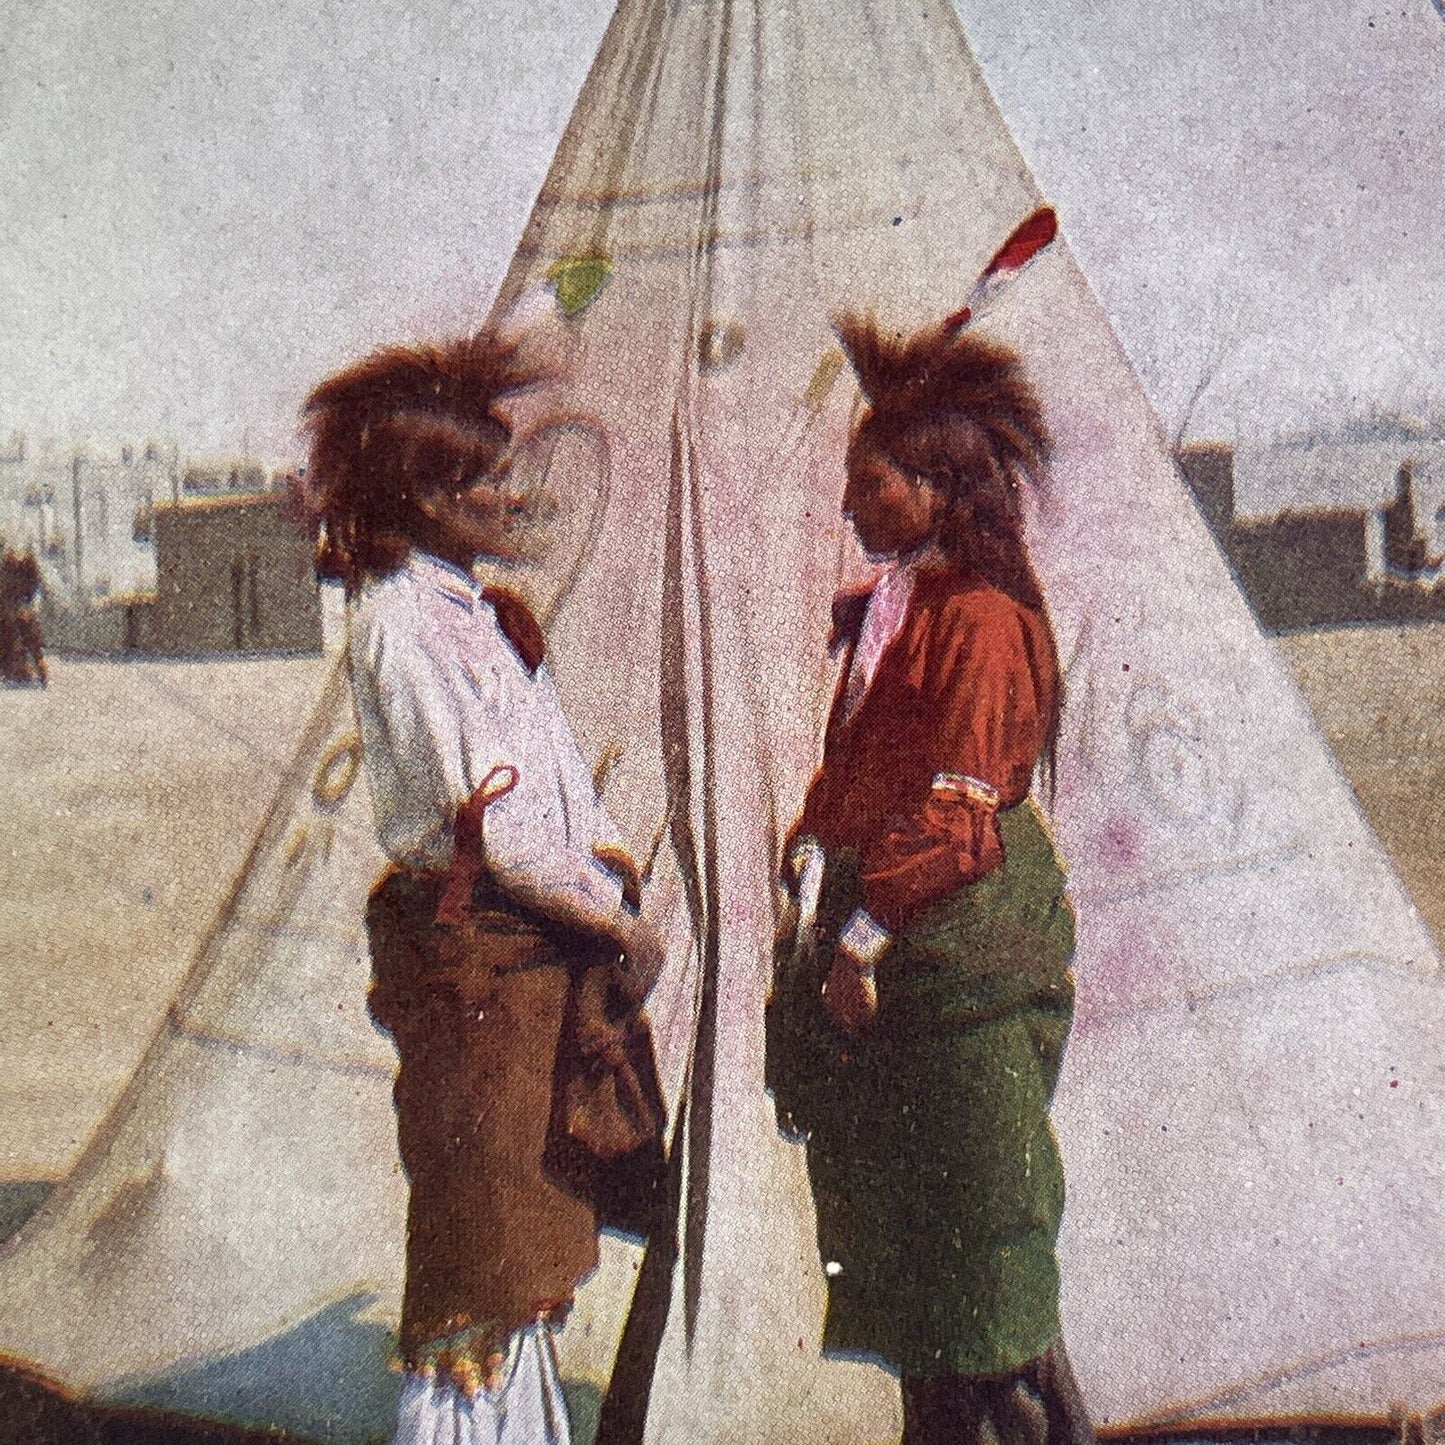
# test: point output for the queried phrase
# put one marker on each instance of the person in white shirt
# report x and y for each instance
(507, 881)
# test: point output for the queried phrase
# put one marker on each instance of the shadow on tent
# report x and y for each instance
(324, 1381)
(19, 1199)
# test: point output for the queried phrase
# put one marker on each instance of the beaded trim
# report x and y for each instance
(971, 790)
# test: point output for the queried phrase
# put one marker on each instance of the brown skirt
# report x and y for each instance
(476, 1012)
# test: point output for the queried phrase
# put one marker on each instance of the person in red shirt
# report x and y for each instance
(917, 1027)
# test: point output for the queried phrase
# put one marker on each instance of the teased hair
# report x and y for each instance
(405, 422)
(958, 410)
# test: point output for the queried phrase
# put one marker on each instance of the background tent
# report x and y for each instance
(1250, 1099)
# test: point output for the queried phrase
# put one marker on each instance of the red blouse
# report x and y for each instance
(963, 692)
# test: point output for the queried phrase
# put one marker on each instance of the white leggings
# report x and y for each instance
(527, 1408)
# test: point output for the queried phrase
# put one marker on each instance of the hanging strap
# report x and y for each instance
(467, 851)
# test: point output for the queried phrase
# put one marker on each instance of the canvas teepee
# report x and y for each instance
(1251, 1096)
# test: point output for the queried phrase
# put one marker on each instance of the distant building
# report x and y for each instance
(233, 574)
(209, 477)
(144, 551)
(1353, 463)
(76, 508)
(1314, 566)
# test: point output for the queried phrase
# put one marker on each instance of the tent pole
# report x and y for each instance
(623, 1420)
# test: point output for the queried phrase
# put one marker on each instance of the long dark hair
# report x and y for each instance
(959, 411)
(405, 422)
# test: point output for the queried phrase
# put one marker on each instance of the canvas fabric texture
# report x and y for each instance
(734, 172)
(935, 1171)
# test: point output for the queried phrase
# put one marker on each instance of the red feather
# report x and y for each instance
(1026, 242)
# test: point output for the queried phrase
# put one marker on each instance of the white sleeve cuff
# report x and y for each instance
(598, 885)
(864, 938)
(550, 879)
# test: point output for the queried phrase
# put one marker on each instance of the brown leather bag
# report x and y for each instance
(609, 1120)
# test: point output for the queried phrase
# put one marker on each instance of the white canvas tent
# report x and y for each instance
(1250, 1103)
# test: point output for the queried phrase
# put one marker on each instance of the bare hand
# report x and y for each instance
(850, 996)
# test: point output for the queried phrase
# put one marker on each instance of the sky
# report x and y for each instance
(205, 205)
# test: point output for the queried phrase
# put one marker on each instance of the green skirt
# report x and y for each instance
(935, 1171)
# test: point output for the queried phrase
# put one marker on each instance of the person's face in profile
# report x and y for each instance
(493, 519)
(892, 511)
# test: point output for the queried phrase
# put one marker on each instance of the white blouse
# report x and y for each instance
(443, 699)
